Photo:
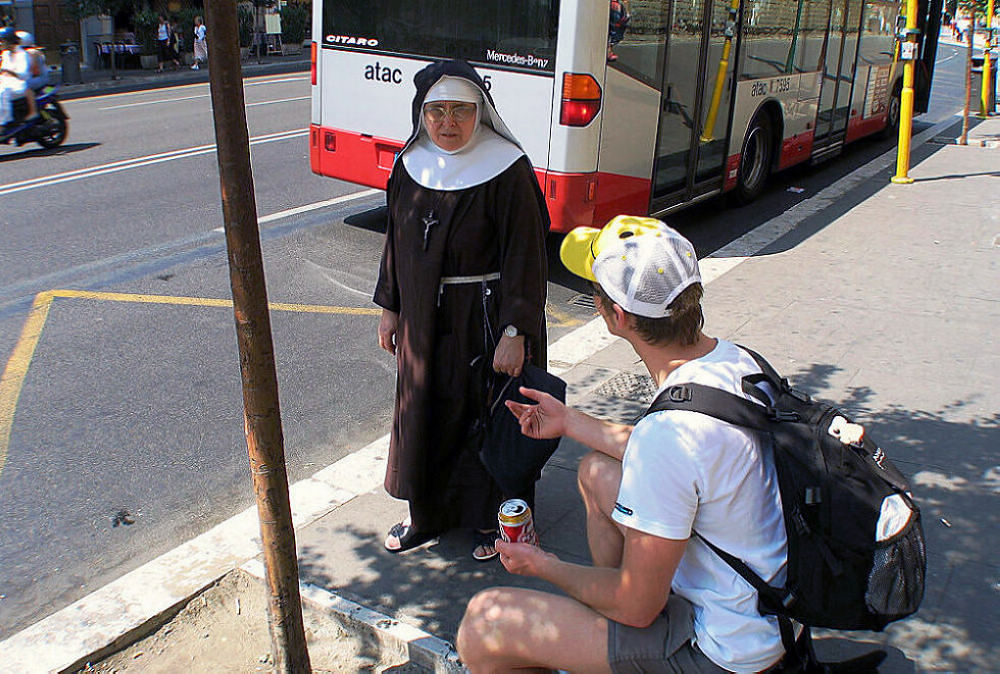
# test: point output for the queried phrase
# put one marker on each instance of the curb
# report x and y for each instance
(419, 647)
(104, 87)
(136, 604)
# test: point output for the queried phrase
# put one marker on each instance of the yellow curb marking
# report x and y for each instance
(17, 366)
(560, 318)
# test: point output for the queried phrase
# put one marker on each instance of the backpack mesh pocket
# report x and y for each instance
(896, 581)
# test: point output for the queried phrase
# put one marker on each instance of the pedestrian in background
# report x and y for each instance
(200, 43)
(462, 279)
(163, 35)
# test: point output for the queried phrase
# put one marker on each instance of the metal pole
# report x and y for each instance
(908, 51)
(964, 138)
(987, 75)
(262, 417)
(720, 76)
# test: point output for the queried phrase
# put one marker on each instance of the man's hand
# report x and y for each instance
(523, 559)
(543, 421)
(387, 328)
(509, 355)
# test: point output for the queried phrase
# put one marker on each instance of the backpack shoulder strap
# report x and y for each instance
(714, 402)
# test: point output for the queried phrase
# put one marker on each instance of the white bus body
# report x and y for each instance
(780, 82)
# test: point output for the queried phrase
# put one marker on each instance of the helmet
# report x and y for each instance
(26, 38)
(8, 34)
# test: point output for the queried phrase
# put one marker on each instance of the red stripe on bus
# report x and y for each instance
(347, 155)
(732, 173)
(858, 127)
(795, 149)
(573, 199)
(591, 199)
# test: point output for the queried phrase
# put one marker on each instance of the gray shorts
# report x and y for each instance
(663, 647)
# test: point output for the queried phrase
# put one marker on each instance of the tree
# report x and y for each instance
(81, 9)
(978, 7)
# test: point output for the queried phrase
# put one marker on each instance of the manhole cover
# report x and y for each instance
(629, 386)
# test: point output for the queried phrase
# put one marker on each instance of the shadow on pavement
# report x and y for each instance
(43, 152)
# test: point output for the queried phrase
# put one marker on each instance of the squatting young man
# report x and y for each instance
(656, 599)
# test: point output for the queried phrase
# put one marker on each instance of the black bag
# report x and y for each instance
(513, 459)
(843, 572)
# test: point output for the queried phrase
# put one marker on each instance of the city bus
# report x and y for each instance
(699, 98)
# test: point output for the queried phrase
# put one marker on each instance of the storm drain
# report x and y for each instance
(629, 386)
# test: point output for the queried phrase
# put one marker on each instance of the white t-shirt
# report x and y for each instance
(685, 471)
(16, 60)
(200, 32)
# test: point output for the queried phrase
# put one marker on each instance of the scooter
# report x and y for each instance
(49, 129)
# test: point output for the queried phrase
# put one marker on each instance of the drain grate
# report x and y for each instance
(628, 386)
(583, 301)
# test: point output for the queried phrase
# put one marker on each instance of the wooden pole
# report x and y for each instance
(964, 138)
(262, 415)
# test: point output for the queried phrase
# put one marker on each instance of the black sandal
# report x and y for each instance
(486, 540)
(407, 536)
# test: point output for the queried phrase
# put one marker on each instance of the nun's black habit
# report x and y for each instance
(497, 225)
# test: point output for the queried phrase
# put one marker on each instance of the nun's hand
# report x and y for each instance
(387, 330)
(509, 355)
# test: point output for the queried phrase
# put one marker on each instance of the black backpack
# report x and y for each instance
(841, 573)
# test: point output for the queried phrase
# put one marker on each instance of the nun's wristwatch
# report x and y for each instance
(511, 331)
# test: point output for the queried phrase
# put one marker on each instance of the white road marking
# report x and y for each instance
(114, 167)
(310, 207)
(162, 100)
(280, 100)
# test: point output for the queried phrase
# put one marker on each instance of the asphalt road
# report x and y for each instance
(126, 436)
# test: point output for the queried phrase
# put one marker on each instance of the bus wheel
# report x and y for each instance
(755, 160)
(892, 113)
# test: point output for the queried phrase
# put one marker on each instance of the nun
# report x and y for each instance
(462, 281)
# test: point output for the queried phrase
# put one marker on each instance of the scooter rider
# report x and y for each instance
(38, 75)
(14, 74)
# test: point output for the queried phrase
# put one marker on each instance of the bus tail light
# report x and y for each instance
(330, 141)
(312, 62)
(581, 99)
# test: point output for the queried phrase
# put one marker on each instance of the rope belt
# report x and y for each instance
(479, 278)
(462, 280)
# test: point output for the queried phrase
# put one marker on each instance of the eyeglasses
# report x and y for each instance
(461, 112)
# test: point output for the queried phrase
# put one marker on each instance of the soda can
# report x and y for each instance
(516, 524)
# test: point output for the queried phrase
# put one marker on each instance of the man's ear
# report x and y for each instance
(621, 318)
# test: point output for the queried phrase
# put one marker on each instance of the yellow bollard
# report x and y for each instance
(908, 53)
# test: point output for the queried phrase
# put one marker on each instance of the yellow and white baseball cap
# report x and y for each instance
(641, 263)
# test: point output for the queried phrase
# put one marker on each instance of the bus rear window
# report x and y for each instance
(498, 33)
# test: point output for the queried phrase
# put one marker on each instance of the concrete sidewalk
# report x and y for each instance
(883, 298)
(884, 302)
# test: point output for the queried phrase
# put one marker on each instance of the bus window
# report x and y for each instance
(640, 53)
(769, 37)
(811, 41)
(877, 31)
(517, 36)
(677, 123)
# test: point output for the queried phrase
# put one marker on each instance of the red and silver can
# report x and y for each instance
(516, 524)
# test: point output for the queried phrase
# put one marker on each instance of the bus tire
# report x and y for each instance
(892, 113)
(755, 159)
